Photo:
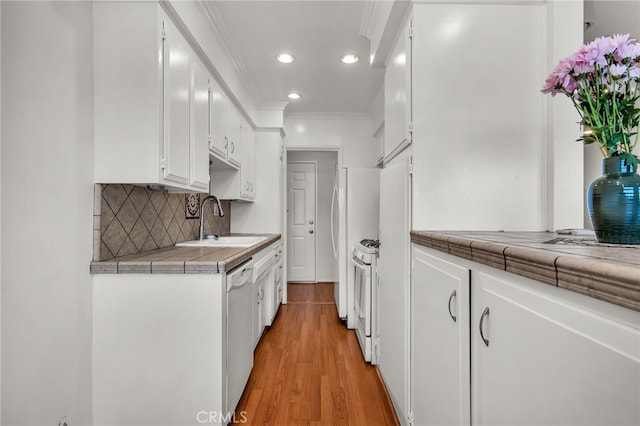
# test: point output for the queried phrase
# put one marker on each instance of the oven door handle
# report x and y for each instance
(358, 264)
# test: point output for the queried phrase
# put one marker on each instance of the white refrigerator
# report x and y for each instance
(355, 216)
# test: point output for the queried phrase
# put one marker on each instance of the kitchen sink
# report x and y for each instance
(225, 241)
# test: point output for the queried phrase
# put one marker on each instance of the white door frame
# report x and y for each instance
(283, 189)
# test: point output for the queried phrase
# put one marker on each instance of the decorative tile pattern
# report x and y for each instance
(191, 206)
(132, 219)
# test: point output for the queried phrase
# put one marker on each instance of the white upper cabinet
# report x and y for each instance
(234, 150)
(219, 122)
(248, 169)
(397, 95)
(225, 143)
(226, 124)
(200, 125)
(147, 84)
(176, 63)
(229, 183)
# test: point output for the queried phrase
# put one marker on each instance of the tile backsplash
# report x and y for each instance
(131, 219)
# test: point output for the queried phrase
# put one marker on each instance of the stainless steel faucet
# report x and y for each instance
(209, 197)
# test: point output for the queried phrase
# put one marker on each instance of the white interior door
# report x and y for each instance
(301, 220)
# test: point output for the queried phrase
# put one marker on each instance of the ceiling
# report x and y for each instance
(317, 33)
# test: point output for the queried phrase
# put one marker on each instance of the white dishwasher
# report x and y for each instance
(239, 328)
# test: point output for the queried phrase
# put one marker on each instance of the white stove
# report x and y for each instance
(364, 262)
(365, 252)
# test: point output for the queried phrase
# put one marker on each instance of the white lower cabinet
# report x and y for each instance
(263, 292)
(539, 355)
(277, 282)
(549, 356)
(258, 318)
(439, 341)
(159, 349)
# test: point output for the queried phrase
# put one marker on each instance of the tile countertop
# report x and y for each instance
(182, 260)
(604, 271)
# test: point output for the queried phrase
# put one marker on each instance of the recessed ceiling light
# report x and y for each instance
(294, 95)
(350, 58)
(285, 58)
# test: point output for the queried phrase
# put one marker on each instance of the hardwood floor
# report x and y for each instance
(309, 370)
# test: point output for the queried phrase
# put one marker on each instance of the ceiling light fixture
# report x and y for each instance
(294, 95)
(285, 58)
(349, 58)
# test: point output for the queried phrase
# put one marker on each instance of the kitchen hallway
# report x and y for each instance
(309, 370)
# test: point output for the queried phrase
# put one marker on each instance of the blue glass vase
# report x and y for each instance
(614, 203)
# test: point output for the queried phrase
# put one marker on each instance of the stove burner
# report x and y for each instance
(370, 243)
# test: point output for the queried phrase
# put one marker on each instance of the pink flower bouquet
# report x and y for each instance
(602, 79)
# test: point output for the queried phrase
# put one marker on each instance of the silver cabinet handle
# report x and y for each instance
(311, 231)
(484, 315)
(226, 142)
(233, 147)
(453, 317)
(311, 222)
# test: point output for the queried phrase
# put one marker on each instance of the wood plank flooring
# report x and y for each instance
(308, 369)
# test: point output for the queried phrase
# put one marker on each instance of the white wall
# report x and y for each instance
(47, 193)
(325, 177)
(264, 215)
(563, 173)
(490, 151)
(353, 134)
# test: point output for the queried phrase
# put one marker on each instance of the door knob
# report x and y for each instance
(311, 231)
(311, 222)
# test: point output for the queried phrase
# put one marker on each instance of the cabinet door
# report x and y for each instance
(219, 113)
(234, 149)
(397, 95)
(440, 370)
(549, 356)
(267, 300)
(176, 121)
(394, 288)
(200, 126)
(257, 313)
(247, 170)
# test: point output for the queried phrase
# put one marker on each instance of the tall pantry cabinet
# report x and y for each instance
(395, 223)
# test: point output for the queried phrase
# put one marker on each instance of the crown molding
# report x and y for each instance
(366, 22)
(219, 29)
(328, 116)
(278, 106)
